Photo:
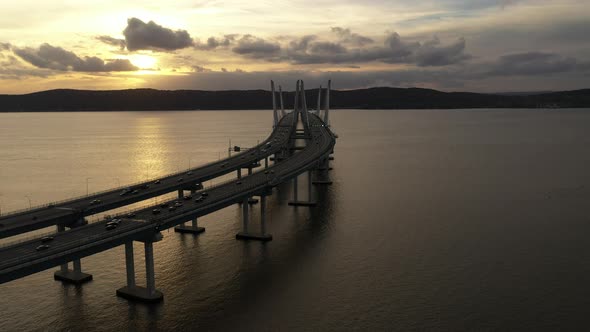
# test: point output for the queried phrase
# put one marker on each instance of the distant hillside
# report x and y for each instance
(374, 98)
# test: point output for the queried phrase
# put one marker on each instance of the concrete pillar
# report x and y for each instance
(309, 186)
(75, 276)
(63, 267)
(77, 266)
(244, 234)
(193, 228)
(309, 201)
(239, 173)
(262, 214)
(266, 162)
(130, 264)
(131, 290)
(180, 194)
(249, 170)
(149, 268)
(245, 215)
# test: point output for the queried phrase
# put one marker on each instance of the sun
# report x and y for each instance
(143, 61)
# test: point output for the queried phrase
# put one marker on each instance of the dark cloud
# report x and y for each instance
(112, 41)
(254, 46)
(213, 42)
(353, 38)
(56, 58)
(531, 63)
(431, 54)
(309, 50)
(201, 69)
(151, 36)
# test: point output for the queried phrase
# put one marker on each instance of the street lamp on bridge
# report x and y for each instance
(87, 185)
(29, 198)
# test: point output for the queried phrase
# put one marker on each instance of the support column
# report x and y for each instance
(63, 267)
(193, 228)
(322, 172)
(130, 264)
(244, 234)
(239, 173)
(75, 276)
(309, 201)
(180, 194)
(133, 292)
(266, 162)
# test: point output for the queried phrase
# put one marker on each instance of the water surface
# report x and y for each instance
(437, 220)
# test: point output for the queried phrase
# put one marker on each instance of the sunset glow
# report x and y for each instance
(484, 45)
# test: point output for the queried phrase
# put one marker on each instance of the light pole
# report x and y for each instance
(29, 198)
(87, 185)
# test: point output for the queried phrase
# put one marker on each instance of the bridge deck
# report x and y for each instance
(46, 216)
(22, 259)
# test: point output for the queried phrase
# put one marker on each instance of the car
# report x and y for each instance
(187, 197)
(42, 247)
(164, 205)
(50, 205)
(204, 193)
(115, 221)
(130, 215)
(272, 171)
(189, 173)
(155, 211)
(179, 180)
(222, 165)
(265, 172)
(199, 199)
(109, 227)
(157, 182)
(145, 186)
(134, 192)
(177, 204)
(172, 208)
(239, 182)
(46, 239)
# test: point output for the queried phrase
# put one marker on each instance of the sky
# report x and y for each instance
(449, 45)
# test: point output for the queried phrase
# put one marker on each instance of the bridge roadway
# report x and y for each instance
(22, 259)
(70, 211)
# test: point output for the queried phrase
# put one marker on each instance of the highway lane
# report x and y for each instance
(23, 259)
(189, 180)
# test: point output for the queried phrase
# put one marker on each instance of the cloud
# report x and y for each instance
(151, 36)
(213, 42)
(5, 46)
(254, 46)
(112, 41)
(353, 38)
(309, 50)
(531, 63)
(56, 58)
(201, 69)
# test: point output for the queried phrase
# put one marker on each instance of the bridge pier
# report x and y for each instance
(180, 193)
(239, 173)
(133, 292)
(323, 176)
(245, 234)
(75, 276)
(309, 202)
(193, 228)
(266, 162)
